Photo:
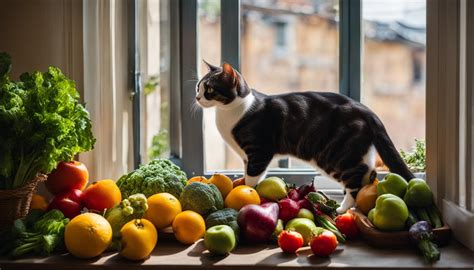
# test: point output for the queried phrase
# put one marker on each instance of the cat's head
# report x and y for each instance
(222, 86)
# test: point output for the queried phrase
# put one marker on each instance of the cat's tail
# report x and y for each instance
(387, 151)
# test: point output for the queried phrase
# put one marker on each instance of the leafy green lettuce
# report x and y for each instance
(41, 123)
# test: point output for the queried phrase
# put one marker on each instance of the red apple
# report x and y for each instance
(67, 176)
(70, 203)
(288, 209)
(257, 222)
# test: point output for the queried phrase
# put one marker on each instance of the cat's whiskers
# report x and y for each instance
(194, 109)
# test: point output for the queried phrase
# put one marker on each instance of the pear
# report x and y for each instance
(272, 188)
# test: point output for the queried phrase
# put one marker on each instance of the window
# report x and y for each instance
(283, 46)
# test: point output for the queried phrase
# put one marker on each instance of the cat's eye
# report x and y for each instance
(210, 90)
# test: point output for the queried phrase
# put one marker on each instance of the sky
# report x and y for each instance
(411, 12)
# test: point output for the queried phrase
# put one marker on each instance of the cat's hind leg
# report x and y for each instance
(352, 180)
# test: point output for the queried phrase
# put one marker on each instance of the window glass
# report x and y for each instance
(287, 46)
(394, 66)
(155, 66)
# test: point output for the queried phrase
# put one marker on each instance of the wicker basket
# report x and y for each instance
(15, 203)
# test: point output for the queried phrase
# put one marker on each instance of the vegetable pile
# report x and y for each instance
(401, 205)
(42, 123)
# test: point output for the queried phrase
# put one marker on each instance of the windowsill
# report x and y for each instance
(170, 254)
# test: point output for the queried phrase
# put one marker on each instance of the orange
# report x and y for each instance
(201, 179)
(38, 202)
(162, 209)
(222, 182)
(241, 196)
(138, 238)
(101, 195)
(188, 227)
(88, 235)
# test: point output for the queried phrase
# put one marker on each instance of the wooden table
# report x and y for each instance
(172, 255)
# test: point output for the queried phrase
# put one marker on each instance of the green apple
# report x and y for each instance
(304, 226)
(220, 239)
(305, 213)
(394, 184)
(272, 188)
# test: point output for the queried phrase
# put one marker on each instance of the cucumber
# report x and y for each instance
(434, 216)
(423, 215)
(411, 218)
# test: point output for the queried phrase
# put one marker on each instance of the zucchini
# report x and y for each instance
(434, 216)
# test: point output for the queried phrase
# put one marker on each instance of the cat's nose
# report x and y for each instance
(198, 98)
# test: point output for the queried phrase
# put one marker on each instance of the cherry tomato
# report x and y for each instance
(323, 244)
(347, 225)
(290, 241)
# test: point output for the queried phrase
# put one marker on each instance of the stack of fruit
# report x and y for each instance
(394, 204)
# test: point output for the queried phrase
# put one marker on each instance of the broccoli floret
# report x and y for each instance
(160, 175)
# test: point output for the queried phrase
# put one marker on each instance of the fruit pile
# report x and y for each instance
(157, 198)
(394, 204)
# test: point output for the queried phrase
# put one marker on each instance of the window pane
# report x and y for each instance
(156, 79)
(394, 66)
(287, 46)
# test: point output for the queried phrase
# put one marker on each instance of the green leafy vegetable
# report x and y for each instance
(416, 159)
(42, 123)
(36, 234)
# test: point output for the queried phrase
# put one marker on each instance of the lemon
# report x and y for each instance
(88, 235)
(162, 209)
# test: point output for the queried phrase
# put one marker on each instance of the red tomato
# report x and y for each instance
(70, 203)
(323, 244)
(67, 176)
(290, 241)
(347, 225)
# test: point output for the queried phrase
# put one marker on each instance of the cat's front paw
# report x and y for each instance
(252, 181)
(342, 210)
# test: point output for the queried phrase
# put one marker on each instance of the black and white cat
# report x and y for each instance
(335, 134)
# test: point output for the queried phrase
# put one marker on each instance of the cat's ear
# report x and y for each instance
(228, 70)
(211, 67)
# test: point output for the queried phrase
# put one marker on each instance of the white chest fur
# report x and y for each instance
(228, 117)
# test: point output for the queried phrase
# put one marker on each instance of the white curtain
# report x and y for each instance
(106, 90)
